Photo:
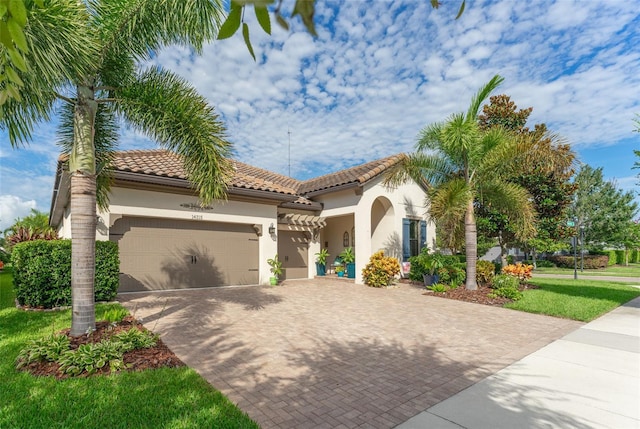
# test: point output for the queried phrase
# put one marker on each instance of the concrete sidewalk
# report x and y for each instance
(621, 279)
(590, 378)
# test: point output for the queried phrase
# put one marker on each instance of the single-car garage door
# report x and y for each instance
(158, 254)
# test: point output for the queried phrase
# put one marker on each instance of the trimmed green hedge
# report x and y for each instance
(591, 262)
(42, 272)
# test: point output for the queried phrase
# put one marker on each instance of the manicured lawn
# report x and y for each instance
(582, 300)
(166, 398)
(633, 270)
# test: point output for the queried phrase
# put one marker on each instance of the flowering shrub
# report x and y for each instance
(380, 270)
(506, 285)
(521, 271)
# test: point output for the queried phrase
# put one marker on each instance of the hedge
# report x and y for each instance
(42, 272)
(591, 262)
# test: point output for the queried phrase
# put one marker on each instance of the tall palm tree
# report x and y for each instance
(89, 57)
(460, 162)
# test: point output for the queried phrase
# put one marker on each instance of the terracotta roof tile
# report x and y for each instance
(167, 164)
(358, 174)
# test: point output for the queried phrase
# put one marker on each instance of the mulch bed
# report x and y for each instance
(158, 356)
(478, 296)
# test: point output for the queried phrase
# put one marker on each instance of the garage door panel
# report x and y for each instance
(157, 254)
(293, 250)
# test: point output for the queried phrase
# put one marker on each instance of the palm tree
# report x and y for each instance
(460, 162)
(90, 58)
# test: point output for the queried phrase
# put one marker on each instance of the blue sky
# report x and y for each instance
(380, 71)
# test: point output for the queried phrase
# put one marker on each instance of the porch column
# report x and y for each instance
(362, 223)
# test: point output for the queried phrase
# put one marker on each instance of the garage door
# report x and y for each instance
(293, 251)
(158, 254)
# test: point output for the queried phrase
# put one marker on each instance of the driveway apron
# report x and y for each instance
(329, 353)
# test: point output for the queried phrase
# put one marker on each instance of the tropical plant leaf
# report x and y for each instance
(461, 11)
(282, 22)
(13, 76)
(17, 60)
(247, 41)
(18, 11)
(15, 29)
(232, 23)
(262, 14)
(5, 37)
(306, 10)
(3, 9)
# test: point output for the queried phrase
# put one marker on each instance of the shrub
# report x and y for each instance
(112, 314)
(520, 271)
(381, 270)
(591, 262)
(506, 286)
(423, 264)
(437, 288)
(613, 257)
(452, 275)
(485, 270)
(620, 259)
(634, 256)
(42, 272)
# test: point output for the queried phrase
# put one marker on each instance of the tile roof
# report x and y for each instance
(358, 174)
(164, 163)
(167, 164)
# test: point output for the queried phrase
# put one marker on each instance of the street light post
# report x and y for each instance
(581, 248)
(574, 239)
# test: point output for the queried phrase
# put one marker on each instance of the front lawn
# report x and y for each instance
(164, 398)
(582, 300)
(632, 270)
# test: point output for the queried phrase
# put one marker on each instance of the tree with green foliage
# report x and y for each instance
(603, 210)
(546, 178)
(87, 56)
(305, 9)
(460, 163)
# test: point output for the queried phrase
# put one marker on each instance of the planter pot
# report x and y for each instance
(351, 270)
(340, 273)
(430, 279)
(321, 269)
(273, 281)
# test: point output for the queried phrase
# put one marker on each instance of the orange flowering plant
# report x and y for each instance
(521, 271)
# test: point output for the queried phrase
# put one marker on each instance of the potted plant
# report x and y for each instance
(434, 263)
(349, 258)
(276, 270)
(321, 262)
(340, 271)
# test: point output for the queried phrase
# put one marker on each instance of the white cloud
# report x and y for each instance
(13, 207)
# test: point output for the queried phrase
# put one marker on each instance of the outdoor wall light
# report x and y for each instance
(272, 229)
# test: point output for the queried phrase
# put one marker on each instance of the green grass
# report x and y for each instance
(165, 398)
(582, 300)
(633, 270)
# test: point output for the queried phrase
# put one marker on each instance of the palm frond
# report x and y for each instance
(168, 109)
(139, 28)
(60, 49)
(428, 169)
(448, 205)
(480, 97)
(514, 202)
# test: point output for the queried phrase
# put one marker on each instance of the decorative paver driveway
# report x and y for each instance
(327, 353)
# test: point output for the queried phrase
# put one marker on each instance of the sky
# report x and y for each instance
(378, 72)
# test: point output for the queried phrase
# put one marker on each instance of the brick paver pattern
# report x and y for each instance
(331, 354)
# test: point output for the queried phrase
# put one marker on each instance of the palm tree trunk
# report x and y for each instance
(471, 245)
(83, 252)
(83, 214)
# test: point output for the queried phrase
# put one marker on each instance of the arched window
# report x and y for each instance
(345, 239)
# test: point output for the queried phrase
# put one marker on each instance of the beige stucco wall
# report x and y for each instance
(406, 201)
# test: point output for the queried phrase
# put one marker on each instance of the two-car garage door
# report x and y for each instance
(158, 254)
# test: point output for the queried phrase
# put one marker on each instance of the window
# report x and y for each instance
(345, 239)
(414, 237)
(353, 237)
